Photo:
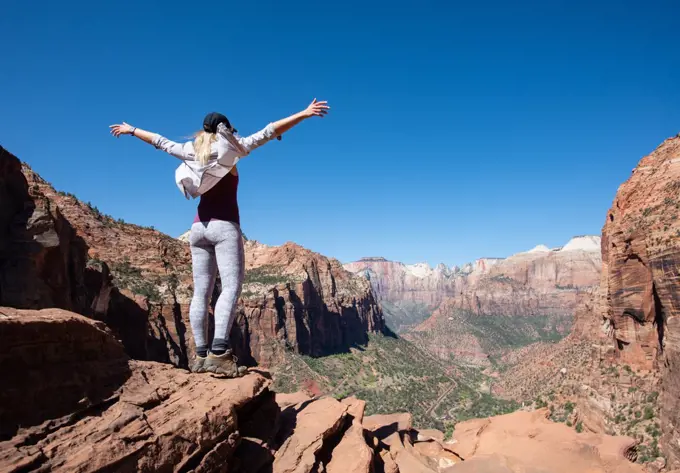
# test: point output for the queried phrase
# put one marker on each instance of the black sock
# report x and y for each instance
(202, 351)
(219, 346)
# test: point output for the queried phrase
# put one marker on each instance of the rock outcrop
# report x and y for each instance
(60, 252)
(54, 363)
(527, 441)
(96, 410)
(315, 424)
(639, 287)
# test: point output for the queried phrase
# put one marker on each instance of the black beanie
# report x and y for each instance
(213, 119)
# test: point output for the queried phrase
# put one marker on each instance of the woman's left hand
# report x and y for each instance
(121, 129)
(317, 109)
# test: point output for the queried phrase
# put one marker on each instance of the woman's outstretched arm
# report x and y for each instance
(277, 128)
(125, 129)
(175, 149)
(315, 109)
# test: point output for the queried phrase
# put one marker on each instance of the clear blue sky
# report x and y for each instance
(457, 130)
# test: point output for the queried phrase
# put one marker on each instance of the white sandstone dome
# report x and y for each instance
(583, 243)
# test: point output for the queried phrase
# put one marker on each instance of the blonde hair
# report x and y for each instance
(202, 146)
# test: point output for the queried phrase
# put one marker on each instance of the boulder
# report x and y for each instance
(383, 426)
(488, 464)
(314, 425)
(429, 434)
(387, 435)
(54, 363)
(408, 460)
(384, 463)
(290, 399)
(352, 454)
(439, 455)
(355, 408)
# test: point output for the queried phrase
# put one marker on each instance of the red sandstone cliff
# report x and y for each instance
(307, 301)
(640, 277)
(59, 252)
(623, 355)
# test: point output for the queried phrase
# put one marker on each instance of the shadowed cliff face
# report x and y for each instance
(59, 252)
(315, 307)
(639, 287)
(38, 247)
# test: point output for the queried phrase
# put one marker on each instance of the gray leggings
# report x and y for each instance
(215, 244)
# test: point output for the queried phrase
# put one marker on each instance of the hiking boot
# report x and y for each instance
(224, 364)
(198, 364)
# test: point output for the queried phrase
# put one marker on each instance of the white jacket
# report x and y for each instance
(194, 179)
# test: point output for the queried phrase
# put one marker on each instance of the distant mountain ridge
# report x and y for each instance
(590, 243)
(478, 285)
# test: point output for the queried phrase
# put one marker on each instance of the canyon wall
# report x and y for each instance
(640, 283)
(303, 299)
(620, 366)
(57, 251)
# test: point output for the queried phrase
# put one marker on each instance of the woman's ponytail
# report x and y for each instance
(203, 146)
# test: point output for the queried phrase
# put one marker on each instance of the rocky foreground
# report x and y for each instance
(74, 401)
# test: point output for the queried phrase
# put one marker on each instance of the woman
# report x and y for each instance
(208, 170)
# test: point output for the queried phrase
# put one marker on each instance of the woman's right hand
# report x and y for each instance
(316, 109)
(121, 129)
